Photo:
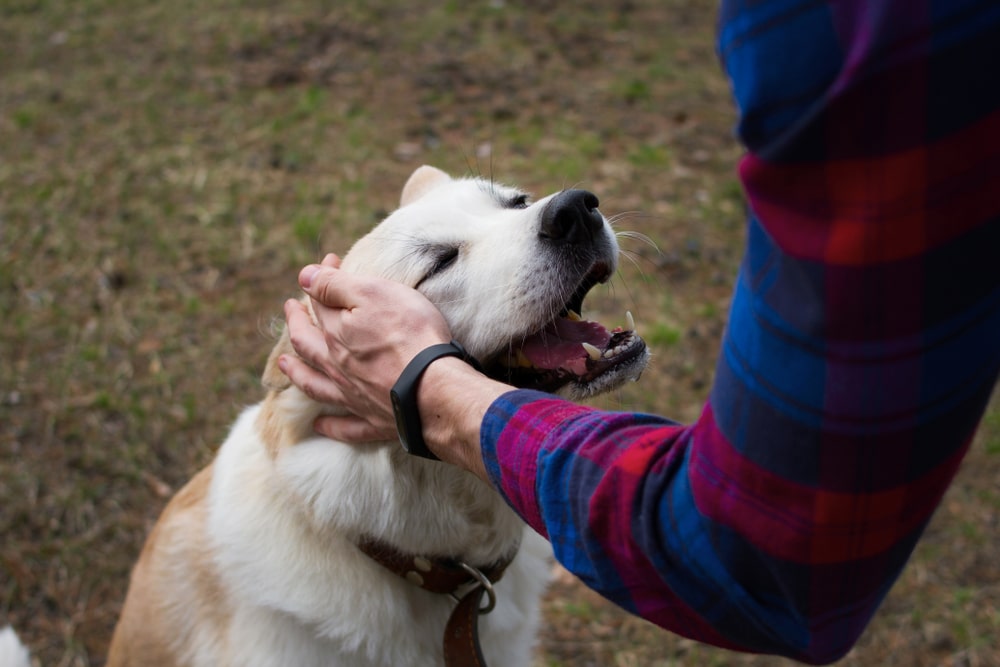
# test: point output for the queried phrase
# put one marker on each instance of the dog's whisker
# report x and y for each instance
(628, 290)
(631, 257)
(638, 236)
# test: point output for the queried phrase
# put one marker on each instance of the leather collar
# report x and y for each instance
(447, 576)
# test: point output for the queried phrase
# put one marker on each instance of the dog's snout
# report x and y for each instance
(571, 217)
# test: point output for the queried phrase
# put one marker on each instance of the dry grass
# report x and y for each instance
(165, 169)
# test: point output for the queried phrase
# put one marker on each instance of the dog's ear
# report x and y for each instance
(422, 181)
(273, 379)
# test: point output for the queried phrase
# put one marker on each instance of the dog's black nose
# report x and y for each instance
(571, 217)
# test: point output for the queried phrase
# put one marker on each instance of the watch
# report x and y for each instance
(404, 396)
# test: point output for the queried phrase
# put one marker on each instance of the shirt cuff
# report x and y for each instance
(513, 436)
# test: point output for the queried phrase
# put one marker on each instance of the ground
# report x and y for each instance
(166, 169)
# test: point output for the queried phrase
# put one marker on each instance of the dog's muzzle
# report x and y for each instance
(569, 350)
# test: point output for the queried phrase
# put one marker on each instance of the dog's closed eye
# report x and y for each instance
(443, 257)
(517, 201)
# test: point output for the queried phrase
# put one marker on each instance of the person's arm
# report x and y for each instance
(860, 352)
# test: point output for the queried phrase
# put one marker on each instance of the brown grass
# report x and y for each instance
(166, 168)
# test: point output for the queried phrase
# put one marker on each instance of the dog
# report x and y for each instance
(264, 558)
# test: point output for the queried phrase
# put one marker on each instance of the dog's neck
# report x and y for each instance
(378, 490)
(287, 416)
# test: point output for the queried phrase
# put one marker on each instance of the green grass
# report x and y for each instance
(663, 334)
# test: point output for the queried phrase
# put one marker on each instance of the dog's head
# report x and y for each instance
(510, 276)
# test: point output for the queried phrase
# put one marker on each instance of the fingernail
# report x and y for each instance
(283, 364)
(307, 274)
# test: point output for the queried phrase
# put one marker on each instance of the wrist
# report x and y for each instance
(453, 399)
(403, 395)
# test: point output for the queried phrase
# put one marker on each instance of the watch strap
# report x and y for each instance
(404, 395)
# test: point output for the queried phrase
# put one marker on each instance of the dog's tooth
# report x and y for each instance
(629, 321)
(618, 349)
(522, 360)
(573, 316)
(592, 351)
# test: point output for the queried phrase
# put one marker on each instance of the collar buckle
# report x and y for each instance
(480, 580)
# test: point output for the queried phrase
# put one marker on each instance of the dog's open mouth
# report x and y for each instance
(572, 350)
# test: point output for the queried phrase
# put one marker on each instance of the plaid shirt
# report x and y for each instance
(862, 346)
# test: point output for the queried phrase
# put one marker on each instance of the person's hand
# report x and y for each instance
(369, 329)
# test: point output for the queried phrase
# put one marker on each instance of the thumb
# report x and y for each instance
(308, 273)
(328, 285)
(351, 429)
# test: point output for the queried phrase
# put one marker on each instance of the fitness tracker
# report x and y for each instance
(404, 396)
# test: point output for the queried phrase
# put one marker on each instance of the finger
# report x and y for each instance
(295, 308)
(326, 283)
(316, 385)
(327, 286)
(351, 429)
(335, 288)
(307, 339)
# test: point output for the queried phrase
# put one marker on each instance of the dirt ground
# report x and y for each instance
(166, 169)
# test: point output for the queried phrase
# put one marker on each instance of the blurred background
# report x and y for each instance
(167, 167)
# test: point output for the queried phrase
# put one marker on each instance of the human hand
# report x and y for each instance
(369, 329)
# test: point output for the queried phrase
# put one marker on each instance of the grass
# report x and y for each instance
(166, 169)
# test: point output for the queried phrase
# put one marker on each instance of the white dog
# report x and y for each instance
(294, 550)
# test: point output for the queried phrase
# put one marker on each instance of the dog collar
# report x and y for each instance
(465, 584)
(404, 396)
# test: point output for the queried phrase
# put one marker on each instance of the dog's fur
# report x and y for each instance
(12, 652)
(254, 561)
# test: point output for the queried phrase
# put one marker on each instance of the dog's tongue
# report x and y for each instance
(559, 344)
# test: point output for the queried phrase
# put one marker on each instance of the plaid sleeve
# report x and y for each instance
(862, 346)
